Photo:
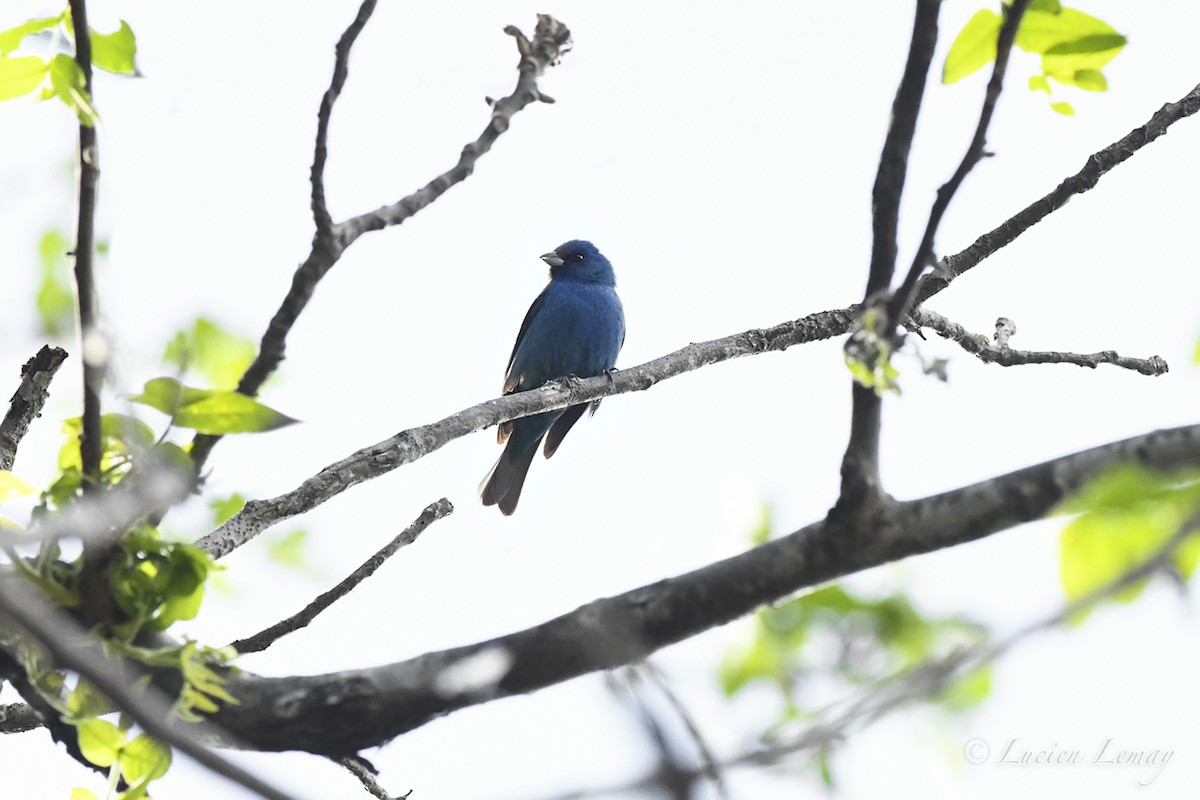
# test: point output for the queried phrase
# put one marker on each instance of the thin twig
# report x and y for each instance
(341, 70)
(1097, 166)
(902, 299)
(979, 346)
(414, 443)
(361, 770)
(549, 42)
(70, 648)
(27, 402)
(710, 766)
(265, 638)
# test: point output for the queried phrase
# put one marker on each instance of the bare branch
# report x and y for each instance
(862, 494)
(26, 404)
(1005, 356)
(901, 301)
(1097, 166)
(549, 43)
(341, 70)
(345, 712)
(72, 649)
(367, 776)
(18, 718)
(414, 443)
(265, 638)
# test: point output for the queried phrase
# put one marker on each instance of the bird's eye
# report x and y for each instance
(577, 257)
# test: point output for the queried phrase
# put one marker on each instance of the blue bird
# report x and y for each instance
(576, 326)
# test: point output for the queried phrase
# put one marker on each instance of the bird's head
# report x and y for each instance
(579, 260)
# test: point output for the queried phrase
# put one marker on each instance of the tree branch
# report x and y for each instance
(1097, 166)
(414, 443)
(862, 494)
(265, 638)
(1000, 353)
(901, 300)
(27, 402)
(341, 713)
(321, 218)
(548, 44)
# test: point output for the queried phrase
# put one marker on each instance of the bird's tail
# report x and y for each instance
(502, 486)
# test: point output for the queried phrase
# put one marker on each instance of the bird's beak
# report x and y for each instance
(552, 259)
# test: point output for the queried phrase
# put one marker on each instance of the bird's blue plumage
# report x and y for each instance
(576, 326)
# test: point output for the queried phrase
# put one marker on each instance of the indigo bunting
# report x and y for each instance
(576, 326)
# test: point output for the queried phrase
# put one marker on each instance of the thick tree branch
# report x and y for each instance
(27, 402)
(1000, 353)
(1097, 166)
(414, 443)
(862, 495)
(18, 718)
(549, 42)
(341, 713)
(901, 300)
(265, 638)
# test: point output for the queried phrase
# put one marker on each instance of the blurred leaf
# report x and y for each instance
(55, 299)
(230, 412)
(1090, 80)
(68, 84)
(1088, 53)
(1196, 353)
(1049, 6)
(1124, 517)
(20, 76)
(1066, 109)
(762, 532)
(970, 691)
(1042, 30)
(144, 759)
(84, 701)
(974, 46)
(12, 487)
(114, 52)
(79, 793)
(210, 411)
(100, 741)
(290, 550)
(219, 356)
(11, 39)
(1038, 83)
(224, 508)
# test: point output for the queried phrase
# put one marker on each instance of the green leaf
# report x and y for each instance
(230, 412)
(55, 300)
(1064, 108)
(1196, 353)
(11, 39)
(218, 355)
(100, 741)
(114, 52)
(1089, 53)
(224, 508)
(68, 84)
(79, 793)
(1042, 30)
(969, 691)
(85, 702)
(12, 487)
(290, 550)
(20, 76)
(974, 46)
(166, 395)
(1049, 6)
(144, 759)
(1038, 83)
(762, 531)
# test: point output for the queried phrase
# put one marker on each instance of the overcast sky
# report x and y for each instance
(722, 156)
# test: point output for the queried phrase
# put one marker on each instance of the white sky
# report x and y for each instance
(722, 157)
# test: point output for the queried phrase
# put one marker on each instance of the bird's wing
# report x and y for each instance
(512, 378)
